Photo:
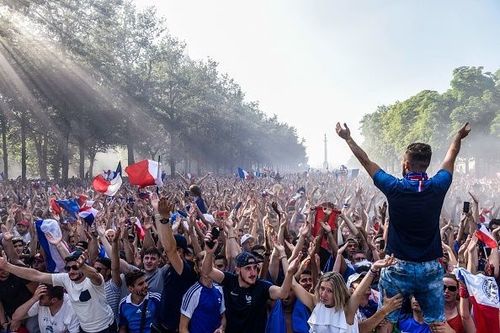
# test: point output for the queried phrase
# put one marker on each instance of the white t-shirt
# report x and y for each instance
(88, 301)
(65, 319)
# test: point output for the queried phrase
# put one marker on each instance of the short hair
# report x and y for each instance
(195, 190)
(132, 276)
(152, 250)
(418, 156)
(221, 257)
(55, 291)
(104, 261)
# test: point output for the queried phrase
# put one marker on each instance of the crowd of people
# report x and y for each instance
(300, 252)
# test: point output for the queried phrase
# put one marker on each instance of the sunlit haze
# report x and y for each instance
(314, 63)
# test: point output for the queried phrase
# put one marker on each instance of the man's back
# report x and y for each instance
(414, 211)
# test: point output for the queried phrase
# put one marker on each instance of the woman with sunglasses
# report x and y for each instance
(457, 312)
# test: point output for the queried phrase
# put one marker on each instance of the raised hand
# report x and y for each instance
(293, 267)
(165, 207)
(464, 131)
(117, 235)
(344, 133)
(82, 259)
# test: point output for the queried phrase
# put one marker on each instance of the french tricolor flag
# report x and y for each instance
(104, 184)
(483, 234)
(243, 174)
(144, 173)
(88, 215)
(485, 300)
(53, 260)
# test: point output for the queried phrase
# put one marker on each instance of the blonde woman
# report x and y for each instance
(333, 308)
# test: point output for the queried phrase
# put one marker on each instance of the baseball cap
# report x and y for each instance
(73, 256)
(24, 222)
(356, 277)
(245, 258)
(244, 238)
(181, 242)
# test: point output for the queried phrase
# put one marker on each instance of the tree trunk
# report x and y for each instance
(171, 162)
(81, 166)
(43, 170)
(5, 153)
(23, 149)
(92, 154)
(65, 158)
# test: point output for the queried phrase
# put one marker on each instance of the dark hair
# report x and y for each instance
(133, 276)
(83, 244)
(55, 291)
(419, 156)
(104, 261)
(195, 190)
(152, 250)
(221, 257)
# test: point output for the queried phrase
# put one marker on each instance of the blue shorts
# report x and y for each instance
(424, 280)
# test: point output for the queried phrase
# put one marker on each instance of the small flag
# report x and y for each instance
(243, 174)
(69, 205)
(109, 186)
(483, 234)
(144, 173)
(139, 229)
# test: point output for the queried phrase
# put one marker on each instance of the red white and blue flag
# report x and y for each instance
(483, 234)
(108, 185)
(144, 173)
(485, 299)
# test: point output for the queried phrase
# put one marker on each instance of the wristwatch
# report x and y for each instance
(164, 220)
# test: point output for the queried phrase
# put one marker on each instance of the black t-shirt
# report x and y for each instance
(245, 307)
(13, 293)
(174, 287)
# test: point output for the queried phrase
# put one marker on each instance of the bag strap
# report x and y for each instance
(143, 314)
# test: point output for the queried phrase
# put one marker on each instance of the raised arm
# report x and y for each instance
(454, 149)
(167, 239)
(207, 267)
(29, 274)
(360, 154)
(282, 292)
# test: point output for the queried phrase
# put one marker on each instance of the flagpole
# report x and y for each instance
(158, 175)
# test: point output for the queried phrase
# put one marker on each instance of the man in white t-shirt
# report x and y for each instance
(85, 287)
(54, 310)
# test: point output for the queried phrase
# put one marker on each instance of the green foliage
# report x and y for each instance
(433, 118)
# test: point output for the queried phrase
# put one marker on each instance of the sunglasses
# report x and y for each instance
(72, 267)
(450, 288)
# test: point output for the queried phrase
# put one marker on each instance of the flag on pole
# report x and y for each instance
(243, 174)
(485, 300)
(53, 260)
(483, 234)
(144, 173)
(109, 187)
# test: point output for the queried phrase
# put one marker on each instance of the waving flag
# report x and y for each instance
(109, 187)
(69, 205)
(144, 173)
(88, 215)
(484, 235)
(243, 174)
(55, 207)
(485, 300)
(53, 260)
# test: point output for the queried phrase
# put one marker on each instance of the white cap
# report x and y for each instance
(209, 218)
(244, 238)
(354, 277)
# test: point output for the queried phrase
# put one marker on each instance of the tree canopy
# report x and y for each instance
(431, 117)
(81, 76)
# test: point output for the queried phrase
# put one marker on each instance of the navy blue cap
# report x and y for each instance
(245, 258)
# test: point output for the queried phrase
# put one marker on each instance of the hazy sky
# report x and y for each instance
(314, 63)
